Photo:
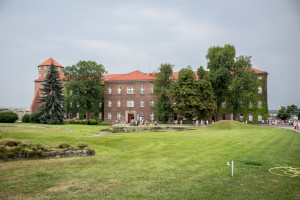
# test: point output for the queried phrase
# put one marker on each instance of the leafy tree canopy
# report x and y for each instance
(84, 85)
(283, 114)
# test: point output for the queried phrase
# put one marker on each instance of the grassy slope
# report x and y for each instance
(167, 165)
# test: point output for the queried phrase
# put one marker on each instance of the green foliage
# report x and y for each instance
(244, 84)
(82, 145)
(9, 142)
(26, 118)
(8, 117)
(91, 122)
(283, 114)
(293, 110)
(103, 123)
(162, 84)
(51, 111)
(220, 61)
(84, 90)
(35, 118)
(64, 145)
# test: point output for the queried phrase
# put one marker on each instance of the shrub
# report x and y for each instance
(8, 117)
(26, 118)
(9, 142)
(104, 123)
(78, 121)
(82, 145)
(69, 121)
(91, 122)
(35, 118)
(64, 145)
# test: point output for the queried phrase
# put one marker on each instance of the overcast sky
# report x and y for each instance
(140, 35)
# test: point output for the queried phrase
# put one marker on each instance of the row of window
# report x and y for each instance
(250, 104)
(130, 103)
(130, 90)
(119, 116)
(259, 117)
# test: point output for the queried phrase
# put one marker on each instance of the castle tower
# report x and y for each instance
(42, 72)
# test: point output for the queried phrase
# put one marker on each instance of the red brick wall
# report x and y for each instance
(137, 96)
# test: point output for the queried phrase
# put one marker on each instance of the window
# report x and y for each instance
(109, 90)
(151, 89)
(71, 92)
(77, 115)
(119, 104)
(100, 116)
(259, 89)
(130, 90)
(119, 90)
(224, 104)
(142, 90)
(251, 104)
(109, 115)
(152, 116)
(250, 117)
(242, 106)
(130, 103)
(71, 104)
(45, 67)
(242, 117)
(109, 103)
(151, 102)
(142, 103)
(259, 77)
(118, 116)
(260, 104)
(45, 75)
(231, 116)
(100, 105)
(259, 118)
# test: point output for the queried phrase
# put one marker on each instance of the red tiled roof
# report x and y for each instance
(258, 71)
(48, 62)
(132, 76)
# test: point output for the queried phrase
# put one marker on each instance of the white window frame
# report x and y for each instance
(259, 90)
(259, 117)
(100, 116)
(109, 116)
(130, 90)
(152, 102)
(151, 89)
(109, 90)
(119, 103)
(260, 77)
(118, 116)
(250, 104)
(142, 91)
(119, 90)
(109, 103)
(259, 104)
(250, 117)
(152, 116)
(130, 103)
(142, 103)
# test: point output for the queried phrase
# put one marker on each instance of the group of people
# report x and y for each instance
(142, 123)
(195, 122)
(294, 123)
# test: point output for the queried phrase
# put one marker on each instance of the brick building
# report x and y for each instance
(130, 96)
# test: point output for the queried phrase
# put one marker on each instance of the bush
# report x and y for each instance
(35, 118)
(82, 145)
(26, 118)
(8, 117)
(91, 122)
(9, 142)
(64, 145)
(104, 123)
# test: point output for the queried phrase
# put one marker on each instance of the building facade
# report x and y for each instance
(130, 97)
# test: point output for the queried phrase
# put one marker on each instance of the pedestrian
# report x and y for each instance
(181, 122)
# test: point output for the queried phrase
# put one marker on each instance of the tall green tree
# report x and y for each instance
(162, 84)
(293, 109)
(184, 93)
(84, 85)
(220, 61)
(51, 111)
(206, 105)
(283, 114)
(244, 84)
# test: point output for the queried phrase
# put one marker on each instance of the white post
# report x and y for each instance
(232, 168)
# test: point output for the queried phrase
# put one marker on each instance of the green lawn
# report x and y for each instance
(156, 165)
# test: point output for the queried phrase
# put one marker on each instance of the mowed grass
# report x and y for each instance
(156, 165)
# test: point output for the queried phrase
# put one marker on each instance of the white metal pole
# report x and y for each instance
(232, 168)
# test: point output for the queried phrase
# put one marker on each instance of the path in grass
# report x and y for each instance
(166, 165)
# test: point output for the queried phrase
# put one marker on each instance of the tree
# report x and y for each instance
(162, 84)
(206, 106)
(51, 111)
(220, 61)
(293, 110)
(283, 114)
(184, 93)
(84, 87)
(244, 83)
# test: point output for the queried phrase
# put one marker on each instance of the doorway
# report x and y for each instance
(130, 117)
